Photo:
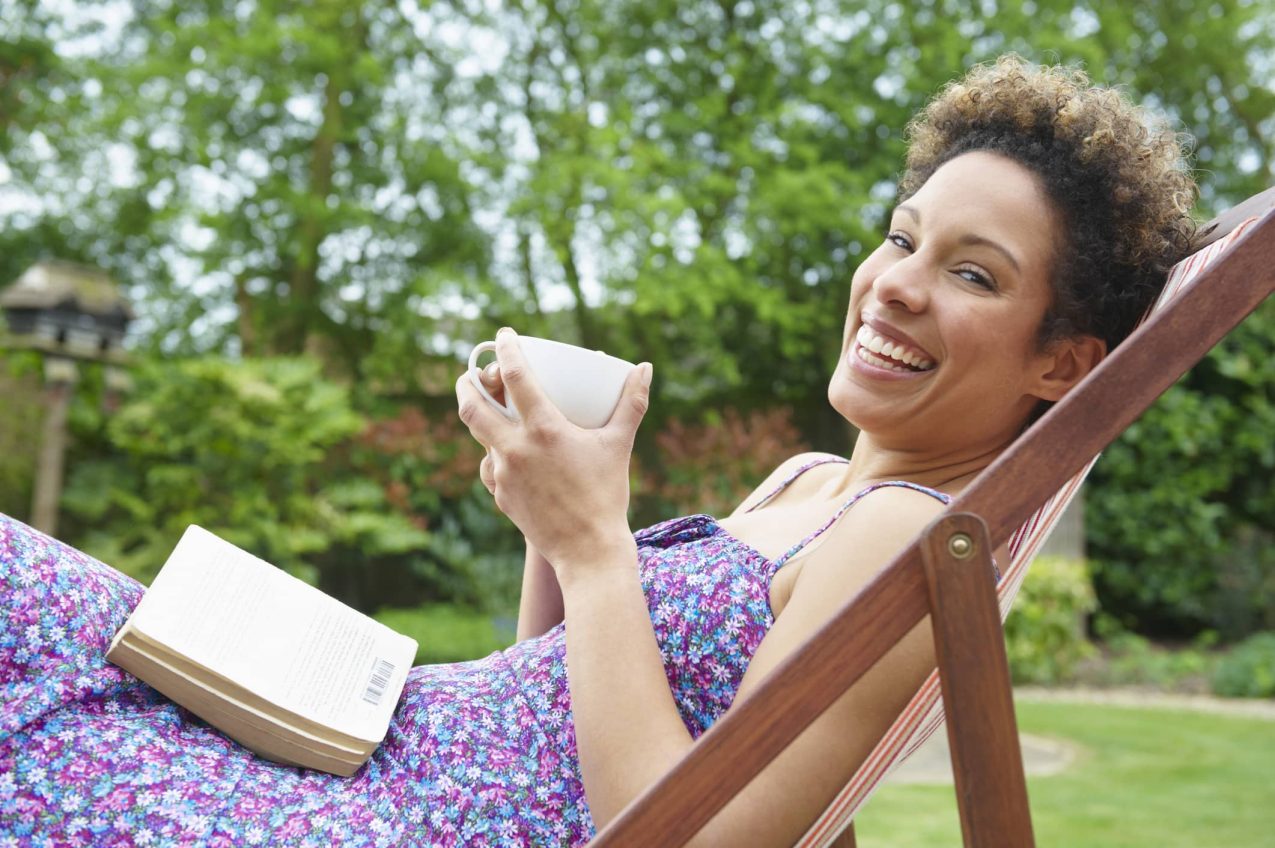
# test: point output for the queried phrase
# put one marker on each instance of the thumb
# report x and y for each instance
(634, 401)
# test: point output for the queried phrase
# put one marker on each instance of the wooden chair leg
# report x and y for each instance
(987, 762)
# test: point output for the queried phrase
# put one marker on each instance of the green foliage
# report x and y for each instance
(1248, 669)
(1045, 631)
(711, 467)
(445, 632)
(476, 556)
(427, 465)
(21, 429)
(25, 59)
(241, 448)
(691, 183)
(1179, 517)
(1132, 660)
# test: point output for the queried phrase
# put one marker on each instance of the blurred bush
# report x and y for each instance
(1045, 631)
(21, 431)
(1248, 669)
(710, 466)
(247, 449)
(427, 467)
(1130, 659)
(1179, 513)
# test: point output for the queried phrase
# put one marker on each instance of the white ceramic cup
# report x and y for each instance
(584, 384)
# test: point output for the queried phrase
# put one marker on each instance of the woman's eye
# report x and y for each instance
(978, 278)
(898, 239)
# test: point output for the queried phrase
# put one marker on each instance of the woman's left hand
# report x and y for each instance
(565, 487)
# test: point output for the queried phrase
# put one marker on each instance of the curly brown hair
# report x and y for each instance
(1115, 174)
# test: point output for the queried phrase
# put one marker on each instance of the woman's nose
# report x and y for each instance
(904, 285)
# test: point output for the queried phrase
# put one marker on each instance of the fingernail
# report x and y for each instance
(646, 374)
(504, 330)
(490, 371)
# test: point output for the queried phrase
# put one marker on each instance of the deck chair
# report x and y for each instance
(947, 572)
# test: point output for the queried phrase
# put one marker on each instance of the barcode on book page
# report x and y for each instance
(381, 671)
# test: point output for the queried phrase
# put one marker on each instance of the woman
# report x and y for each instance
(1037, 218)
(1036, 223)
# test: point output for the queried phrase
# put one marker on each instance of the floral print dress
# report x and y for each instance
(478, 753)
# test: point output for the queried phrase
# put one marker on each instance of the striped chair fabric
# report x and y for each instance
(924, 714)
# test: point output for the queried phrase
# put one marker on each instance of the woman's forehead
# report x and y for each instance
(982, 196)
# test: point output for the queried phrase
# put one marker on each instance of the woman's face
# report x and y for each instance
(940, 349)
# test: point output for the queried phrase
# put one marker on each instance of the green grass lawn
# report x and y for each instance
(446, 633)
(1144, 778)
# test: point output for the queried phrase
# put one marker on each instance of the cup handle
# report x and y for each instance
(478, 350)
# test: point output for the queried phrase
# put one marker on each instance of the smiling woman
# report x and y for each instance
(962, 283)
(1036, 218)
(977, 309)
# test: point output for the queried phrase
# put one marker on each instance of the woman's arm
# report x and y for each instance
(628, 730)
(540, 607)
(567, 489)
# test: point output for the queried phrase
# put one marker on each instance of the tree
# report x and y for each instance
(691, 183)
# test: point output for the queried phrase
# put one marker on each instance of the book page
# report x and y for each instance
(277, 636)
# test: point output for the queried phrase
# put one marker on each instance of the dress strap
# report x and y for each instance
(916, 487)
(823, 460)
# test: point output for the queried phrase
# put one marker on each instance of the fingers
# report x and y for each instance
(490, 377)
(485, 423)
(634, 401)
(520, 383)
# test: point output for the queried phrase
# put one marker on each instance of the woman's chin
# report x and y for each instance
(876, 400)
(863, 411)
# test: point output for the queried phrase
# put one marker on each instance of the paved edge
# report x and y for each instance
(1259, 708)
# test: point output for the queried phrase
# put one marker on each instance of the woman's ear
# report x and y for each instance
(1065, 363)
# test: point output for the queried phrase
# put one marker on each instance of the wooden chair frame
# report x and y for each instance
(947, 573)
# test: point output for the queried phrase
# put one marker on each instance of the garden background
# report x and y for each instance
(317, 208)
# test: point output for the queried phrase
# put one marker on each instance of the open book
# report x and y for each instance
(271, 661)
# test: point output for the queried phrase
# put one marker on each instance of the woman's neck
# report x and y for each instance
(871, 462)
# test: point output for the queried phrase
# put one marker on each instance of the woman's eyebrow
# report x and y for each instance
(968, 238)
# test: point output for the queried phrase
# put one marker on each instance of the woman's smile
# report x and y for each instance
(884, 348)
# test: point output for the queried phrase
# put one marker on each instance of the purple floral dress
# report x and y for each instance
(478, 753)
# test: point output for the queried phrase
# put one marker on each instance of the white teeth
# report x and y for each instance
(872, 359)
(870, 341)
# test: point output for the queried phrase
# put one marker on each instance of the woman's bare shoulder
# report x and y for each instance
(781, 473)
(890, 516)
(878, 526)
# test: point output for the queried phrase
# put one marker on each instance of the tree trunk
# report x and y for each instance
(303, 282)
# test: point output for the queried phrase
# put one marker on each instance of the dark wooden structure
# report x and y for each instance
(947, 573)
(67, 310)
(68, 313)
